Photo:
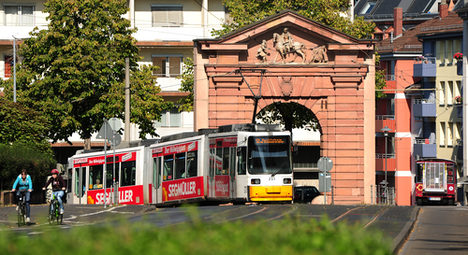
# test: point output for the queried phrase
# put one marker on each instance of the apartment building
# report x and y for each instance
(165, 33)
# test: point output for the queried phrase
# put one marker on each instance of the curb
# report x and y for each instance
(400, 239)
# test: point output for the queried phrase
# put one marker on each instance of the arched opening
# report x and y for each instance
(306, 132)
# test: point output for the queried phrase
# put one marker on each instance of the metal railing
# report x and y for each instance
(385, 117)
(382, 195)
(425, 101)
(425, 60)
(423, 141)
(389, 77)
(383, 155)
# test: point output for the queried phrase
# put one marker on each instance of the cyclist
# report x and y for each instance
(24, 183)
(58, 187)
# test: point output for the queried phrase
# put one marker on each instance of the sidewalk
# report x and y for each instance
(74, 214)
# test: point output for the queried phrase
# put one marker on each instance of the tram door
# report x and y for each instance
(157, 177)
(80, 185)
(232, 172)
(241, 178)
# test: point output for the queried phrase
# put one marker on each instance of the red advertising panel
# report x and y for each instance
(99, 160)
(222, 186)
(183, 189)
(223, 142)
(131, 195)
(173, 149)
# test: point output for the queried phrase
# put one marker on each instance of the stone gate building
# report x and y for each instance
(294, 59)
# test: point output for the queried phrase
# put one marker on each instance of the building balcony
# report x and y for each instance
(424, 108)
(425, 67)
(390, 82)
(384, 120)
(424, 148)
(380, 159)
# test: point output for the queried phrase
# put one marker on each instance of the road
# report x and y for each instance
(395, 222)
(439, 230)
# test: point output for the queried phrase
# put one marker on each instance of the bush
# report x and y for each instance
(291, 236)
(15, 157)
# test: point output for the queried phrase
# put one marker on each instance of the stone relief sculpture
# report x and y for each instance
(285, 45)
(262, 52)
(319, 55)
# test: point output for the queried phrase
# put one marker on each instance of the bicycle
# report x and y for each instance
(54, 211)
(22, 209)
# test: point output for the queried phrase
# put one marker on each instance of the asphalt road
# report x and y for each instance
(439, 230)
(394, 221)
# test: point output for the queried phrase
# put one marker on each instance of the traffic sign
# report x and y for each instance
(105, 132)
(325, 164)
(115, 123)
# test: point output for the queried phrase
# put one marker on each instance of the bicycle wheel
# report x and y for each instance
(51, 213)
(21, 214)
(57, 212)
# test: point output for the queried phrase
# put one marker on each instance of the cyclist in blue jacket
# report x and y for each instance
(58, 187)
(24, 183)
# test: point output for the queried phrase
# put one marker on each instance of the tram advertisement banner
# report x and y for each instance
(183, 189)
(222, 186)
(99, 160)
(127, 195)
(173, 149)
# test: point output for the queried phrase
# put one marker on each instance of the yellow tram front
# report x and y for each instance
(269, 167)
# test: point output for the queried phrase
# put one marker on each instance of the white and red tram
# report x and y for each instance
(236, 163)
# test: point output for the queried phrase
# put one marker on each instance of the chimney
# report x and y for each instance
(443, 9)
(397, 21)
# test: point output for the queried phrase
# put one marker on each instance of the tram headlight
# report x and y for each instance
(255, 181)
(287, 181)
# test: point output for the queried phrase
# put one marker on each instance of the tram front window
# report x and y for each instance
(269, 155)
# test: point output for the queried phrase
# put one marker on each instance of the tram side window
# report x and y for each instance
(191, 164)
(225, 170)
(180, 165)
(219, 158)
(212, 161)
(168, 167)
(110, 172)
(241, 161)
(128, 173)
(157, 172)
(95, 177)
(80, 183)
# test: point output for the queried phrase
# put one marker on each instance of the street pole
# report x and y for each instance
(105, 163)
(386, 182)
(127, 101)
(14, 69)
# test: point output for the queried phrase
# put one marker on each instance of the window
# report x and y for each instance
(95, 177)
(128, 173)
(157, 172)
(456, 89)
(368, 8)
(450, 92)
(390, 70)
(450, 51)
(170, 119)
(180, 165)
(442, 93)
(167, 15)
(191, 164)
(19, 15)
(440, 54)
(241, 162)
(168, 167)
(8, 66)
(456, 133)
(449, 134)
(442, 134)
(169, 66)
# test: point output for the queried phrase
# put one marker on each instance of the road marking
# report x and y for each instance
(281, 215)
(375, 217)
(243, 216)
(344, 214)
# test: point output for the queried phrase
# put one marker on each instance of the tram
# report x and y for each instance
(435, 181)
(235, 163)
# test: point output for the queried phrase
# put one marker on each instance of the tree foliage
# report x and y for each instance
(291, 115)
(74, 71)
(186, 104)
(22, 125)
(327, 12)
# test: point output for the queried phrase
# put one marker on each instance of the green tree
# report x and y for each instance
(23, 143)
(291, 115)
(74, 71)
(186, 104)
(327, 12)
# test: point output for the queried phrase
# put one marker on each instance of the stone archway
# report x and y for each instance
(333, 76)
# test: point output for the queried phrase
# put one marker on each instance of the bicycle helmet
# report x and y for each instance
(54, 171)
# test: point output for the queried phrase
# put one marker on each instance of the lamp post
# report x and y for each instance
(14, 69)
(385, 181)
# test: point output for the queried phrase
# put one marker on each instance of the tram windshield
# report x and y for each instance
(269, 155)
